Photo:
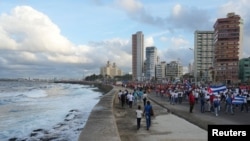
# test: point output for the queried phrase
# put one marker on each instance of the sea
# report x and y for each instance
(44, 111)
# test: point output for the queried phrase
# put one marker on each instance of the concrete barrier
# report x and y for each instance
(101, 124)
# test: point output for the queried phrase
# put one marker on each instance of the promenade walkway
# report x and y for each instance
(109, 121)
(165, 125)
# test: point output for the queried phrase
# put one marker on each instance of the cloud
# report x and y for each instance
(189, 18)
(149, 41)
(181, 16)
(131, 6)
(179, 42)
(179, 49)
(32, 46)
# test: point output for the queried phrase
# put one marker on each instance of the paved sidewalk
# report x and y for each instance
(165, 126)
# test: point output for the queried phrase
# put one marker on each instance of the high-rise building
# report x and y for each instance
(203, 55)
(244, 69)
(160, 71)
(151, 61)
(228, 35)
(110, 70)
(174, 70)
(138, 56)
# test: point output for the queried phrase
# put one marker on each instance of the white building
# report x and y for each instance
(160, 71)
(203, 55)
(110, 70)
(174, 70)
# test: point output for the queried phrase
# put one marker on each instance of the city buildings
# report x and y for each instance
(216, 55)
(151, 61)
(244, 69)
(203, 55)
(160, 71)
(138, 56)
(174, 70)
(227, 48)
(110, 70)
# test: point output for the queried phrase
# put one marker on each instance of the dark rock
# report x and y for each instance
(38, 130)
(13, 139)
(33, 134)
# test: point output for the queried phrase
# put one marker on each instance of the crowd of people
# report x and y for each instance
(135, 98)
(216, 102)
(197, 97)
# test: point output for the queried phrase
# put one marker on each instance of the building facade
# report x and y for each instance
(151, 61)
(174, 70)
(203, 55)
(228, 39)
(244, 70)
(138, 56)
(160, 71)
(110, 70)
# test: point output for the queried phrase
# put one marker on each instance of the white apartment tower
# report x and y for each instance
(203, 55)
(174, 70)
(151, 61)
(110, 70)
(160, 71)
(138, 56)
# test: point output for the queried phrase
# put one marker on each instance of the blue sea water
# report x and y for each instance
(33, 111)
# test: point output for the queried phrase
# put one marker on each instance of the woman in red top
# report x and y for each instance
(191, 99)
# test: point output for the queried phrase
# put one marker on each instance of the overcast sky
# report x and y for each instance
(74, 38)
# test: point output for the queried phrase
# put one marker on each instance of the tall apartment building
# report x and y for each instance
(174, 70)
(151, 61)
(138, 56)
(110, 70)
(203, 55)
(244, 69)
(228, 35)
(190, 68)
(160, 71)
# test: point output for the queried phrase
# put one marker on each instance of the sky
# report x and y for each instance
(72, 39)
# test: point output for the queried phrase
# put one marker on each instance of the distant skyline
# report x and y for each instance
(71, 39)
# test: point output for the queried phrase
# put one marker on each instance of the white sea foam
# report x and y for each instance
(59, 111)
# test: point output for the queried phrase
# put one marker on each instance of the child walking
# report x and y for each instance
(139, 116)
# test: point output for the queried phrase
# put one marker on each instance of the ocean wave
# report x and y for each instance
(67, 130)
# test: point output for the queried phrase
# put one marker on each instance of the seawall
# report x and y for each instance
(101, 124)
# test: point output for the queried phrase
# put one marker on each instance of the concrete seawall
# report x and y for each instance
(101, 124)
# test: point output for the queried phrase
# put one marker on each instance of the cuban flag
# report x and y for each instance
(187, 83)
(238, 100)
(217, 89)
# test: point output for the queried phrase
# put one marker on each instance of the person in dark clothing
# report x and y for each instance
(203, 100)
(148, 112)
(123, 99)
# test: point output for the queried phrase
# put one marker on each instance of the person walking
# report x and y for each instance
(216, 104)
(144, 97)
(229, 104)
(191, 99)
(123, 99)
(139, 113)
(244, 105)
(119, 95)
(130, 100)
(202, 102)
(148, 112)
